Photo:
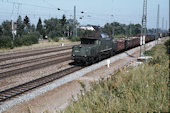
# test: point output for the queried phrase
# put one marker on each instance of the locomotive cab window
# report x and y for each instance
(88, 41)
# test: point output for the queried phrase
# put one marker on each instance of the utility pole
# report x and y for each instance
(75, 26)
(157, 25)
(162, 24)
(113, 26)
(143, 30)
(166, 25)
(130, 30)
(13, 35)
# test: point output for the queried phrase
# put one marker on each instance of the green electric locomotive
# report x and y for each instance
(93, 48)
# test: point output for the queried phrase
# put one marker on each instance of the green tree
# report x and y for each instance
(70, 26)
(53, 27)
(137, 29)
(20, 26)
(32, 28)
(27, 24)
(6, 28)
(1, 32)
(40, 26)
(63, 22)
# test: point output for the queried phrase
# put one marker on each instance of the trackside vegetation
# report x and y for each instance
(137, 89)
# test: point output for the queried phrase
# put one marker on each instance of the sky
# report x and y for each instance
(96, 12)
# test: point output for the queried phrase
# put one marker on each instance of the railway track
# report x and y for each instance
(5, 66)
(28, 50)
(26, 54)
(20, 89)
(33, 67)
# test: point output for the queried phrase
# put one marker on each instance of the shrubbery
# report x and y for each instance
(5, 42)
(55, 39)
(149, 53)
(119, 36)
(74, 39)
(29, 39)
(18, 42)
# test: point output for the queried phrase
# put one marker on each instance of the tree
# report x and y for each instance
(53, 26)
(20, 26)
(63, 22)
(108, 28)
(70, 27)
(137, 29)
(32, 28)
(1, 32)
(27, 24)
(40, 26)
(6, 28)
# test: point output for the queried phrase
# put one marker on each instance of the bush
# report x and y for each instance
(55, 39)
(52, 34)
(167, 44)
(5, 42)
(149, 53)
(17, 42)
(26, 40)
(30, 39)
(74, 39)
(119, 36)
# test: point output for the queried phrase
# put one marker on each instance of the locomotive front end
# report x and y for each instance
(82, 52)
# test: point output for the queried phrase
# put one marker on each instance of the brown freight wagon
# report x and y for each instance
(128, 43)
(120, 45)
(136, 41)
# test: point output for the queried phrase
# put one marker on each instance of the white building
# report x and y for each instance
(87, 28)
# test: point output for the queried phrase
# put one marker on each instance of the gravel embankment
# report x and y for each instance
(8, 82)
(32, 57)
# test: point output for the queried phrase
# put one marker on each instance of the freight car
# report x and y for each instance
(99, 46)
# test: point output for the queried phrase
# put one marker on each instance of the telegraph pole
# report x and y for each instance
(166, 25)
(13, 35)
(113, 26)
(143, 30)
(75, 26)
(162, 24)
(157, 25)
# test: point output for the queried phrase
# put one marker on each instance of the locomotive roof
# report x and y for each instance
(97, 36)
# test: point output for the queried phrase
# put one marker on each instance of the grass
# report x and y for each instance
(44, 43)
(140, 89)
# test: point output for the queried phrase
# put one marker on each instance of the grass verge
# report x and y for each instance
(140, 89)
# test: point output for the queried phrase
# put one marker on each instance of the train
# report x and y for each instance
(94, 48)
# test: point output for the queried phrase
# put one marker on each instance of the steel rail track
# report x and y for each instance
(17, 90)
(33, 67)
(33, 54)
(34, 50)
(4, 66)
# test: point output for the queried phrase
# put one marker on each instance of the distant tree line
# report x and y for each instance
(54, 28)
(122, 30)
